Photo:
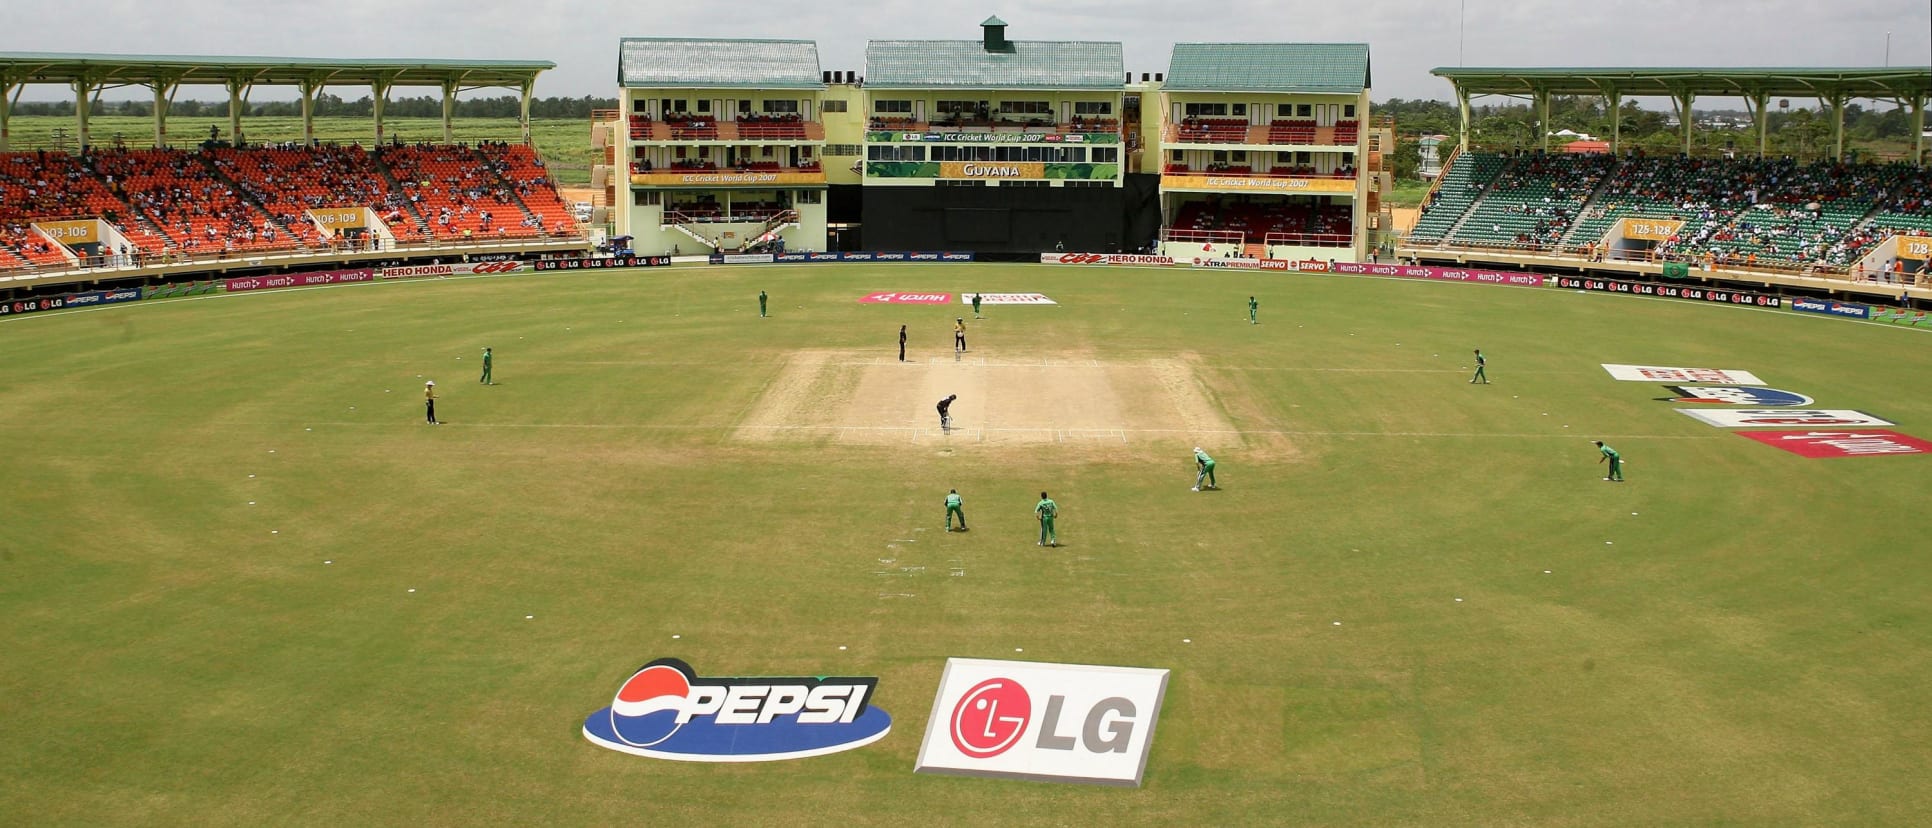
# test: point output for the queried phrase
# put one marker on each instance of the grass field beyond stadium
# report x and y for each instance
(1413, 601)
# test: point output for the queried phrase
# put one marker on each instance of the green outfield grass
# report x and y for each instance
(216, 508)
(563, 143)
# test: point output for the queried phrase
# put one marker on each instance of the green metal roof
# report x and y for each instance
(1322, 68)
(717, 63)
(965, 64)
(1857, 82)
(994, 21)
(107, 69)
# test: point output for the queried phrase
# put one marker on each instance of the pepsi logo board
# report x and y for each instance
(1046, 722)
(1769, 417)
(1663, 373)
(1864, 443)
(665, 711)
(1736, 395)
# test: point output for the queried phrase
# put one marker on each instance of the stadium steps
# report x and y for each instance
(132, 215)
(395, 186)
(686, 230)
(1475, 205)
(483, 162)
(262, 211)
(1570, 240)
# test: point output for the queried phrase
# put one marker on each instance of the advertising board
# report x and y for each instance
(1832, 307)
(1661, 373)
(1442, 274)
(1769, 417)
(1041, 721)
(1733, 297)
(1105, 259)
(666, 711)
(598, 262)
(1868, 443)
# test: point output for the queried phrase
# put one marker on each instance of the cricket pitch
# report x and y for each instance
(860, 398)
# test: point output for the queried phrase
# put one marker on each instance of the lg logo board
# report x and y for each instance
(1047, 722)
(665, 711)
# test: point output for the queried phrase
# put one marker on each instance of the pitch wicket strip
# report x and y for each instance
(1064, 433)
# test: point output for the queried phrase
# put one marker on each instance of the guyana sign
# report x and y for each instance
(992, 170)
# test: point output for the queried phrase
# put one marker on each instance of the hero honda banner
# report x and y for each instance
(1734, 297)
(1105, 259)
(1040, 721)
(462, 269)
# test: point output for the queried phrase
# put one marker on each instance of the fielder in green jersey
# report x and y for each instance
(1616, 461)
(1253, 306)
(1046, 510)
(486, 368)
(1204, 469)
(1481, 367)
(761, 304)
(953, 507)
(976, 307)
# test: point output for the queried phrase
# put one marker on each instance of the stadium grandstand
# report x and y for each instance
(223, 204)
(722, 145)
(995, 145)
(1265, 153)
(1847, 224)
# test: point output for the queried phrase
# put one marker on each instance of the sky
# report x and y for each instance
(1407, 37)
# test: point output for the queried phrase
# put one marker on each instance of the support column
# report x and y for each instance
(163, 96)
(1615, 100)
(1683, 101)
(1838, 127)
(236, 89)
(83, 105)
(1919, 130)
(8, 91)
(523, 113)
(379, 95)
(1462, 106)
(309, 88)
(449, 112)
(1543, 117)
(1760, 106)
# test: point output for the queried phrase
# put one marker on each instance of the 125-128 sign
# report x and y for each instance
(1734, 297)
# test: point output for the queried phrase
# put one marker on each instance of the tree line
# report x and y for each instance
(1801, 132)
(327, 105)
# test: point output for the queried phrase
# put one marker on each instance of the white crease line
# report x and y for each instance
(1059, 434)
